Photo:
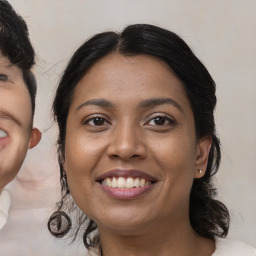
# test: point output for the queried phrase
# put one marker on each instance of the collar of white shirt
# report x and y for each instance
(5, 202)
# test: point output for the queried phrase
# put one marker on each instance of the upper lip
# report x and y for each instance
(126, 173)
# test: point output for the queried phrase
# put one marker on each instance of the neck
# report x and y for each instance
(165, 240)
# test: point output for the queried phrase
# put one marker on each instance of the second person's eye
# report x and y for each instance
(3, 134)
(3, 77)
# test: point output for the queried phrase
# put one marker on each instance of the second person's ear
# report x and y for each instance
(35, 138)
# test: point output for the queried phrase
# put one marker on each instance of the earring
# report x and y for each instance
(200, 171)
(59, 224)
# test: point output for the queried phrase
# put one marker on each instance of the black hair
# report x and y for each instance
(208, 216)
(16, 46)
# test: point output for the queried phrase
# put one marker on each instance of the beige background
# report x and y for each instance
(222, 33)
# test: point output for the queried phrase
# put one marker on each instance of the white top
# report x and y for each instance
(5, 202)
(224, 247)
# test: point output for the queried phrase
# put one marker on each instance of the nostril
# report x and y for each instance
(126, 151)
(135, 156)
(114, 156)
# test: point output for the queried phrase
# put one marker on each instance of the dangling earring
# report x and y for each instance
(59, 224)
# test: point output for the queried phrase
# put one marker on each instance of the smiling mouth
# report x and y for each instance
(125, 183)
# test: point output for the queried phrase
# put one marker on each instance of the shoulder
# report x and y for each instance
(93, 252)
(225, 246)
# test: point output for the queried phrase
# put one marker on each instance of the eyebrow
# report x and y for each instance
(144, 104)
(4, 114)
(96, 102)
(160, 101)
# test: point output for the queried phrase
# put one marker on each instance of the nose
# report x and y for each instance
(127, 143)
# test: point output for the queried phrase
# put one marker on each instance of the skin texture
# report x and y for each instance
(127, 135)
(16, 133)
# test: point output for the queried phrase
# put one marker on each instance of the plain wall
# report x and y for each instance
(222, 33)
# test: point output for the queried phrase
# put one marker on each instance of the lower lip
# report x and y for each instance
(126, 193)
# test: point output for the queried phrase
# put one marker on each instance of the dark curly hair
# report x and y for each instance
(208, 216)
(16, 46)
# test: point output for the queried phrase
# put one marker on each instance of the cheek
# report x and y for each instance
(19, 102)
(175, 151)
(82, 154)
(176, 157)
(78, 167)
(12, 156)
(4, 142)
(19, 149)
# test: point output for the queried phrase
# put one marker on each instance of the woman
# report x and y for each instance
(138, 149)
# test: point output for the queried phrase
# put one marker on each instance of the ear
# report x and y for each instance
(202, 152)
(35, 137)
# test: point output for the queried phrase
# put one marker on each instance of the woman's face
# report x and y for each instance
(131, 152)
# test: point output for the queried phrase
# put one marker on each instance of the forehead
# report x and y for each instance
(11, 70)
(4, 61)
(116, 74)
(116, 65)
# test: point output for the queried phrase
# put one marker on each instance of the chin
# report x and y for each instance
(124, 221)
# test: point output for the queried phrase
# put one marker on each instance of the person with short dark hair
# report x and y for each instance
(17, 99)
(138, 149)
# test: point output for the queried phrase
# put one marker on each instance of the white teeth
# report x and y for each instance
(121, 182)
(129, 183)
(137, 182)
(108, 180)
(114, 183)
(3, 134)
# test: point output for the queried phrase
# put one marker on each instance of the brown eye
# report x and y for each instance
(161, 120)
(96, 121)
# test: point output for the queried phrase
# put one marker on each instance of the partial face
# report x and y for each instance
(131, 153)
(15, 120)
